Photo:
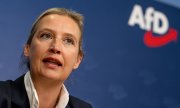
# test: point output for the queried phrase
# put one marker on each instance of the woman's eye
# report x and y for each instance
(69, 41)
(46, 36)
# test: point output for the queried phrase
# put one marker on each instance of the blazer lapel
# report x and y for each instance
(68, 106)
(19, 94)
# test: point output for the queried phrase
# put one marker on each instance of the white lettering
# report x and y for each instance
(158, 27)
(151, 20)
(137, 17)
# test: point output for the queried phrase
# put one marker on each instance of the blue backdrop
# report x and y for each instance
(119, 69)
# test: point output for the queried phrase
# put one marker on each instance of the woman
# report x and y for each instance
(53, 50)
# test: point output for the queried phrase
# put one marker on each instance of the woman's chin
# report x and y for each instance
(52, 75)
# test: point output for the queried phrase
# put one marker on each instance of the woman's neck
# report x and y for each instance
(48, 92)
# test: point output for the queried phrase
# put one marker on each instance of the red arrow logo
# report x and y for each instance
(156, 41)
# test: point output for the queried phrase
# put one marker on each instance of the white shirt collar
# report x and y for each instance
(33, 97)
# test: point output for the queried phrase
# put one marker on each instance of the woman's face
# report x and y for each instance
(54, 50)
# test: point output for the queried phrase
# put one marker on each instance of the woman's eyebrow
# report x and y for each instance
(65, 34)
(46, 29)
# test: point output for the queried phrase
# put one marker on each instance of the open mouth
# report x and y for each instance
(52, 61)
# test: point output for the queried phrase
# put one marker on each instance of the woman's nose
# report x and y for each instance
(54, 48)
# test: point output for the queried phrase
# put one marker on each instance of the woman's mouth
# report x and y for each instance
(52, 62)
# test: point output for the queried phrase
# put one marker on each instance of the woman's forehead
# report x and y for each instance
(58, 23)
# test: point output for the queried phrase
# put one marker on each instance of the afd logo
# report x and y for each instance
(154, 22)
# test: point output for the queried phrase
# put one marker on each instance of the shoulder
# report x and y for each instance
(78, 103)
(9, 87)
(5, 89)
(12, 93)
(5, 94)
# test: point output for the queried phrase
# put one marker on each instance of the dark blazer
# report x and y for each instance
(13, 95)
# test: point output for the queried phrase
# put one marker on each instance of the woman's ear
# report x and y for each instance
(78, 62)
(26, 50)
